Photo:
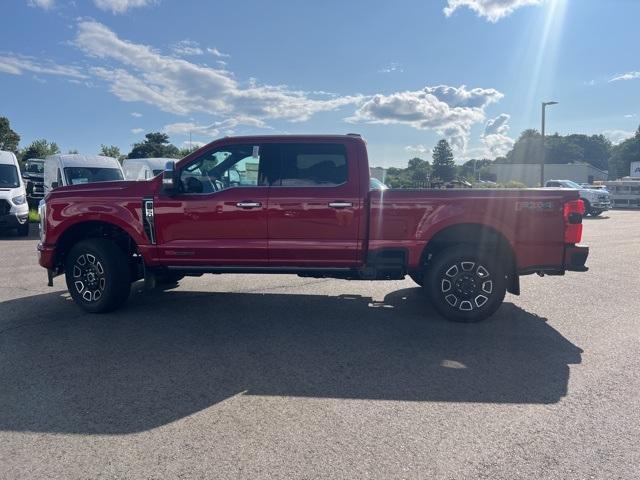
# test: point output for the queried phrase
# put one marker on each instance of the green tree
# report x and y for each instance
(471, 169)
(418, 172)
(155, 144)
(110, 151)
(444, 167)
(40, 149)
(623, 154)
(9, 139)
(73, 151)
(527, 148)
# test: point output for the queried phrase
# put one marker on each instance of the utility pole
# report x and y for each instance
(542, 155)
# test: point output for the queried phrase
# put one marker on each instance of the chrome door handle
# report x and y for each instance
(248, 204)
(341, 204)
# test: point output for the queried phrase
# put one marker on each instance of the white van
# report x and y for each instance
(14, 211)
(76, 169)
(144, 168)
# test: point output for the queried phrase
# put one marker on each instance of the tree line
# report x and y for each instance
(596, 150)
(154, 145)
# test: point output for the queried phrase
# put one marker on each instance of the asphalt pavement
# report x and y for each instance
(249, 376)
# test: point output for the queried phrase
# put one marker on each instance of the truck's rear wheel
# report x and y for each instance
(465, 284)
(97, 275)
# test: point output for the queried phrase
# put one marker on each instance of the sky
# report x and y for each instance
(404, 74)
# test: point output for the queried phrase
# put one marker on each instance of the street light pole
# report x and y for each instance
(542, 155)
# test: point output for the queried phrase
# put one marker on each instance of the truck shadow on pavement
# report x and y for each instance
(168, 355)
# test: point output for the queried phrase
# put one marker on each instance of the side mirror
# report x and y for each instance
(170, 178)
(54, 185)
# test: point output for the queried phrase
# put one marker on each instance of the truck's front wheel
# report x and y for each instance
(465, 284)
(97, 275)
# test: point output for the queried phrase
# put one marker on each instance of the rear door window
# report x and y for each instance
(312, 165)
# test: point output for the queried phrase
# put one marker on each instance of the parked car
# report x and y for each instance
(303, 205)
(595, 201)
(143, 168)
(375, 184)
(14, 211)
(33, 175)
(76, 169)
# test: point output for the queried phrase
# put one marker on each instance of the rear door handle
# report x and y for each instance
(341, 204)
(248, 205)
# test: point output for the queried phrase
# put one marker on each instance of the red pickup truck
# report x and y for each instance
(303, 205)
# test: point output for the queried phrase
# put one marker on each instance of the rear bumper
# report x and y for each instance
(575, 258)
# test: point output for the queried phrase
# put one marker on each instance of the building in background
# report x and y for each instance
(529, 174)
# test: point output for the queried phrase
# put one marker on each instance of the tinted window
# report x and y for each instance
(227, 167)
(312, 165)
(79, 175)
(9, 176)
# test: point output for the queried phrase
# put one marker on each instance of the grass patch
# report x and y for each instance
(33, 216)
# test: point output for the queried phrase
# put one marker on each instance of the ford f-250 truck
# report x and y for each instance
(303, 205)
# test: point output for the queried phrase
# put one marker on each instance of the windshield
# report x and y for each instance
(34, 167)
(9, 176)
(80, 175)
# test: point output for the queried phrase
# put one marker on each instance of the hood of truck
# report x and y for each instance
(120, 188)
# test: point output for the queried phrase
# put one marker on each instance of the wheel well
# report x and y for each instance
(93, 229)
(478, 236)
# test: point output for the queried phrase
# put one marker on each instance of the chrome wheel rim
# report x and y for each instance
(466, 285)
(88, 277)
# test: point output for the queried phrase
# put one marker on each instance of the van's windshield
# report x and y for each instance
(34, 167)
(80, 175)
(9, 176)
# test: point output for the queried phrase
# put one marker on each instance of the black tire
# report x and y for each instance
(23, 230)
(595, 213)
(97, 274)
(417, 277)
(587, 207)
(465, 284)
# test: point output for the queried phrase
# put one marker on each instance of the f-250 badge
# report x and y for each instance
(534, 206)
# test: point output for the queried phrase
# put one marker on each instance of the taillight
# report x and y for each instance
(573, 212)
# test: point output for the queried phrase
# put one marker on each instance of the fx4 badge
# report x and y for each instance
(534, 206)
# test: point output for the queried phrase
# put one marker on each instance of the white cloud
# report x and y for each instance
(136, 114)
(18, 64)
(626, 76)
(495, 137)
(391, 68)
(137, 130)
(450, 111)
(178, 86)
(46, 4)
(121, 6)
(631, 115)
(217, 53)
(617, 136)
(416, 149)
(212, 130)
(492, 10)
(187, 48)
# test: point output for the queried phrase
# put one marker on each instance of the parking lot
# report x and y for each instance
(282, 377)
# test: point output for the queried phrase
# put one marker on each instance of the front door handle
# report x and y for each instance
(341, 204)
(248, 205)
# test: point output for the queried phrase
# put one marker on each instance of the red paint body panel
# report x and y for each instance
(296, 227)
